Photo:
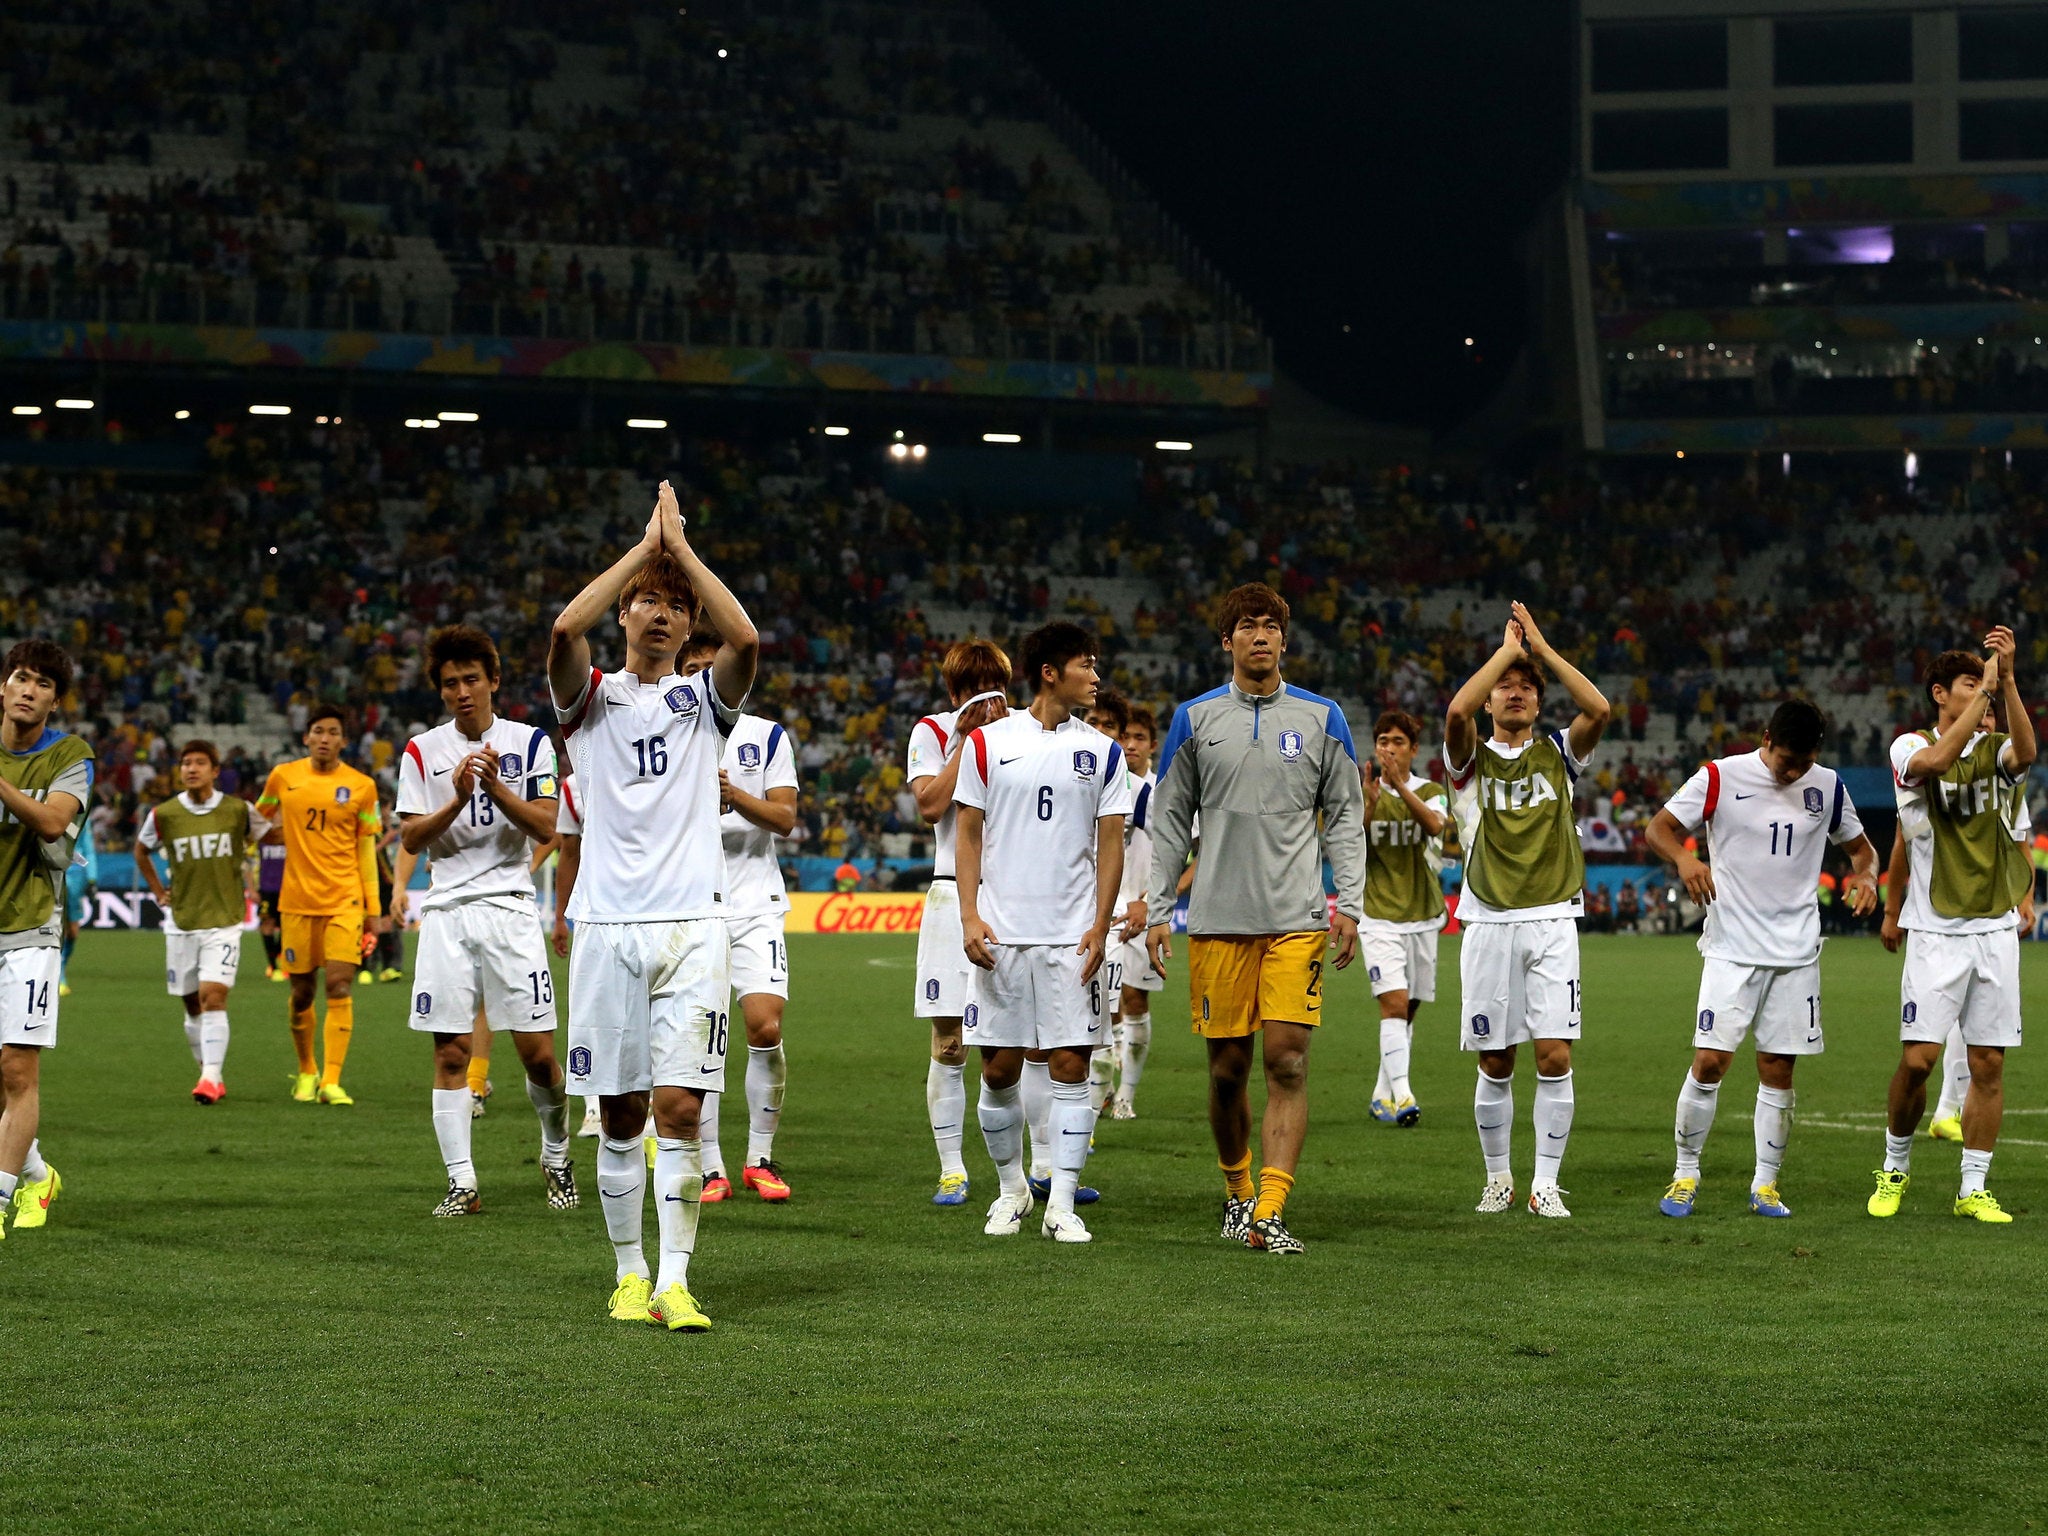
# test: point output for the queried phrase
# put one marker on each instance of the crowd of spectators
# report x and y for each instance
(712, 139)
(311, 561)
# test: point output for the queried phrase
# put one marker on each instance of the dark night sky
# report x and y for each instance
(1370, 162)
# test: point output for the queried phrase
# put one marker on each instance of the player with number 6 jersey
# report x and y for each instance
(206, 838)
(648, 977)
(475, 793)
(1769, 817)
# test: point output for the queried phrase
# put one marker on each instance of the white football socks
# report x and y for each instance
(712, 1154)
(767, 1076)
(35, 1170)
(622, 1191)
(1137, 1045)
(1493, 1108)
(1976, 1169)
(1395, 1037)
(451, 1129)
(1955, 1075)
(9, 1182)
(945, 1101)
(1773, 1129)
(1002, 1132)
(213, 1043)
(1101, 1064)
(552, 1105)
(1898, 1153)
(1036, 1086)
(1073, 1121)
(1696, 1104)
(1554, 1105)
(678, 1201)
(193, 1036)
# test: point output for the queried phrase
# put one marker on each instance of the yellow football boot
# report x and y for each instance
(676, 1310)
(629, 1301)
(1982, 1206)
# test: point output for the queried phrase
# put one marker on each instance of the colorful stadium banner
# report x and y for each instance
(1788, 434)
(643, 362)
(864, 912)
(1790, 325)
(1812, 200)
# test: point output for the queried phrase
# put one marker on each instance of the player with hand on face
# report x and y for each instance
(328, 905)
(1967, 879)
(205, 837)
(648, 977)
(1042, 798)
(757, 795)
(45, 785)
(1769, 817)
(1405, 817)
(976, 675)
(475, 794)
(1525, 878)
(1271, 772)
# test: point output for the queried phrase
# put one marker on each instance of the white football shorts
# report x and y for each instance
(1520, 982)
(1133, 964)
(942, 963)
(29, 979)
(200, 957)
(760, 955)
(1967, 979)
(1399, 962)
(648, 1006)
(1035, 998)
(483, 951)
(1782, 1004)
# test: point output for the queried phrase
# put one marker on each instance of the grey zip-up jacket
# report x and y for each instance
(1257, 770)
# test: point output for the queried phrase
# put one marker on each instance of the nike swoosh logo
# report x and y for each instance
(612, 1194)
(1750, 796)
(439, 771)
(1493, 1127)
(27, 1027)
(1004, 762)
(1074, 1133)
(1216, 743)
(674, 1199)
(1555, 1137)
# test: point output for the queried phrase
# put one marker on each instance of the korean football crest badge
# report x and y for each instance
(1813, 800)
(681, 700)
(1290, 745)
(750, 756)
(1084, 764)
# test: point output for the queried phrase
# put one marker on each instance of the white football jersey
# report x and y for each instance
(759, 756)
(569, 809)
(1765, 841)
(483, 852)
(930, 740)
(1040, 793)
(1137, 842)
(646, 762)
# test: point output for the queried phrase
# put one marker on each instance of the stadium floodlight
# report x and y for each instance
(1913, 464)
(1170, 445)
(917, 450)
(181, 415)
(721, 53)
(898, 451)
(74, 405)
(28, 410)
(270, 410)
(458, 415)
(839, 431)
(646, 423)
(1002, 437)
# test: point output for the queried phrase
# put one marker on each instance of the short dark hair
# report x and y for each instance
(1798, 726)
(1142, 719)
(1398, 720)
(1529, 671)
(1052, 645)
(199, 747)
(461, 642)
(1114, 705)
(328, 711)
(43, 656)
(1950, 665)
(703, 638)
(1251, 601)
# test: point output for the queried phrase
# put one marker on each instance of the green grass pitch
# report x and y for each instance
(241, 1319)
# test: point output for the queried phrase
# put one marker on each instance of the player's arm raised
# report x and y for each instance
(739, 651)
(1432, 819)
(2012, 709)
(1461, 718)
(1594, 710)
(568, 649)
(1666, 837)
(1940, 755)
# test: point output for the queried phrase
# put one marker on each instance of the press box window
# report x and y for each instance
(2004, 130)
(1681, 139)
(1666, 56)
(1846, 133)
(1843, 50)
(2002, 45)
